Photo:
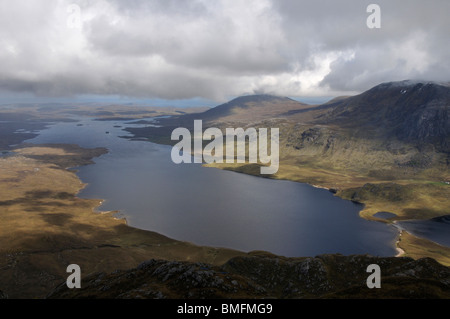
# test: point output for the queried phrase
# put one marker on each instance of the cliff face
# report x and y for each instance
(262, 275)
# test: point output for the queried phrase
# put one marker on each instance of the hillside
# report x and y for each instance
(411, 111)
(395, 131)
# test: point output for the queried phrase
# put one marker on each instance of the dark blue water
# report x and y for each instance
(208, 206)
(435, 229)
(384, 215)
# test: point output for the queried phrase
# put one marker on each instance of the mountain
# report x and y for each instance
(252, 107)
(411, 111)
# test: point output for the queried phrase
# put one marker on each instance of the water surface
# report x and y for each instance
(384, 215)
(435, 229)
(208, 206)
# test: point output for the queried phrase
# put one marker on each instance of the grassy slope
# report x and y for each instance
(417, 248)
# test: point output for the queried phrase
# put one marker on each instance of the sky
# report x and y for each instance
(210, 51)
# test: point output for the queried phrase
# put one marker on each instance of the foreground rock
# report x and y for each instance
(268, 276)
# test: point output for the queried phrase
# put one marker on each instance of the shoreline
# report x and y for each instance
(67, 231)
(335, 191)
(98, 210)
(365, 214)
(414, 235)
(400, 252)
(101, 201)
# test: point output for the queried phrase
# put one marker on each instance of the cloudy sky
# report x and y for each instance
(186, 49)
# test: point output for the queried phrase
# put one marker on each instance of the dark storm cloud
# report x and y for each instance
(182, 49)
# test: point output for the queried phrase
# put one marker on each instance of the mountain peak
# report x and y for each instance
(260, 98)
(252, 107)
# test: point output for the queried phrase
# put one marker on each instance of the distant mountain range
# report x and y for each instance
(414, 112)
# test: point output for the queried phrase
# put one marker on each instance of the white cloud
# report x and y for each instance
(182, 49)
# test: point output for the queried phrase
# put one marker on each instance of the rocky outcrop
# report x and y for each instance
(262, 275)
